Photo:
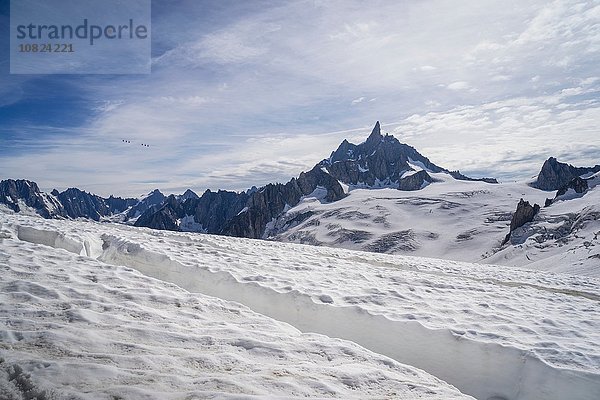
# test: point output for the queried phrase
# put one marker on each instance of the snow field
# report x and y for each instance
(74, 327)
(492, 333)
(455, 220)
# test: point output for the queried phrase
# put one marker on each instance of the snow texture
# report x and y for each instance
(492, 332)
(73, 327)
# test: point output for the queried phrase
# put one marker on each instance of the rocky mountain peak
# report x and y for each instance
(382, 161)
(555, 174)
(189, 194)
(375, 137)
(154, 193)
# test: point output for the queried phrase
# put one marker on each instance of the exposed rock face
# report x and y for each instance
(13, 191)
(166, 217)
(215, 209)
(415, 181)
(270, 201)
(78, 203)
(243, 214)
(117, 204)
(461, 177)
(189, 194)
(555, 175)
(152, 201)
(380, 161)
(578, 184)
(211, 211)
(525, 213)
(72, 203)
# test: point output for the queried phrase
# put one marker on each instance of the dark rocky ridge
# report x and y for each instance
(269, 202)
(11, 191)
(415, 181)
(554, 175)
(152, 201)
(243, 214)
(79, 204)
(378, 162)
(189, 194)
(578, 184)
(164, 217)
(212, 211)
(71, 203)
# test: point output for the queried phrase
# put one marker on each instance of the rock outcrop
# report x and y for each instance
(188, 194)
(554, 175)
(270, 201)
(78, 203)
(165, 217)
(243, 214)
(578, 185)
(525, 213)
(416, 181)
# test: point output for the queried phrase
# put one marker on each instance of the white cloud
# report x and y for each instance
(509, 138)
(459, 85)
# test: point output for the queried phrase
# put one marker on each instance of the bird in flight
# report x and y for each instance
(129, 141)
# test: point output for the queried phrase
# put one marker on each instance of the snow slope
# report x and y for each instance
(564, 237)
(491, 332)
(77, 328)
(456, 220)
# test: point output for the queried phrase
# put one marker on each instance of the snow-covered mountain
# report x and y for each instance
(456, 220)
(382, 161)
(91, 310)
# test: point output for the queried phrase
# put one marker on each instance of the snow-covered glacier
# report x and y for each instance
(98, 310)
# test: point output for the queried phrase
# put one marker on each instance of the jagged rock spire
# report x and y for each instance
(375, 136)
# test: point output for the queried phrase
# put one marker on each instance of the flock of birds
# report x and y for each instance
(129, 141)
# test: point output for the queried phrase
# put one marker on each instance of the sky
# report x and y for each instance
(247, 93)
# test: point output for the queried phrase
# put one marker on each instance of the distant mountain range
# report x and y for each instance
(286, 211)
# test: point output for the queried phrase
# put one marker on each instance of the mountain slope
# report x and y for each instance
(71, 203)
(351, 200)
(20, 194)
(244, 214)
